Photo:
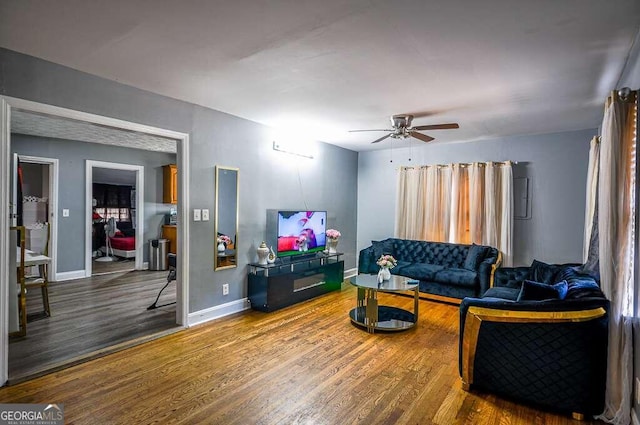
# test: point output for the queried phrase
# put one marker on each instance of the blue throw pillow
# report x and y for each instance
(538, 291)
(381, 248)
(475, 255)
(580, 285)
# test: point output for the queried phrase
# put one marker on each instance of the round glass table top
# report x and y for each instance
(396, 283)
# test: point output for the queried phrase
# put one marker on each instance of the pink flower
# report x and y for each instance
(333, 234)
(387, 261)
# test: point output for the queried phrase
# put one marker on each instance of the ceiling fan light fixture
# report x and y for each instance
(402, 129)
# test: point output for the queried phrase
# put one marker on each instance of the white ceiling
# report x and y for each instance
(320, 68)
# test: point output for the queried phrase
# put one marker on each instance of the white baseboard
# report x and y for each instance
(218, 311)
(145, 265)
(634, 417)
(75, 274)
(350, 273)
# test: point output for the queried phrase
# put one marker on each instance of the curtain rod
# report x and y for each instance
(625, 94)
(462, 164)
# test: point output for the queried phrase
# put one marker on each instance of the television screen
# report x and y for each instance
(301, 232)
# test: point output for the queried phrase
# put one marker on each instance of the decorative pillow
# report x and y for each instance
(475, 255)
(381, 248)
(542, 272)
(538, 291)
(580, 285)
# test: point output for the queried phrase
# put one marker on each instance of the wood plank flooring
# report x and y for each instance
(118, 265)
(306, 364)
(88, 315)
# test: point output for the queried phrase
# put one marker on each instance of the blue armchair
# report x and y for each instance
(547, 352)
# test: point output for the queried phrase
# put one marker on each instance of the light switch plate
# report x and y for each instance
(65, 212)
(205, 215)
(196, 214)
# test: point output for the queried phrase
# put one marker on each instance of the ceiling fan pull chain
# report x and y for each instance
(391, 152)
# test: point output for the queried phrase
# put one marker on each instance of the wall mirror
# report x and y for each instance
(226, 218)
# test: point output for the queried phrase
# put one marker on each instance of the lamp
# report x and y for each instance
(290, 149)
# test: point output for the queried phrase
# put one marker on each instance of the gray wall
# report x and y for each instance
(556, 165)
(268, 179)
(72, 157)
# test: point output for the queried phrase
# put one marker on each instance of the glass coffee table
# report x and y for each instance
(374, 317)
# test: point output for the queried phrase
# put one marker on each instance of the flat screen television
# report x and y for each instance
(298, 232)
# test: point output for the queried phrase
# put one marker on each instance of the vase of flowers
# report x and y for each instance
(223, 241)
(332, 240)
(302, 243)
(386, 263)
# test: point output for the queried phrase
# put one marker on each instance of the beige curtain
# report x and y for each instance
(424, 198)
(504, 211)
(592, 187)
(459, 219)
(437, 199)
(433, 204)
(616, 212)
(458, 203)
(409, 210)
(489, 233)
(476, 202)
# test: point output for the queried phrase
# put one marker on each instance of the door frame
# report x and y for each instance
(139, 169)
(8, 103)
(53, 164)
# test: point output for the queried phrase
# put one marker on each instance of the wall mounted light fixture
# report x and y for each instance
(291, 149)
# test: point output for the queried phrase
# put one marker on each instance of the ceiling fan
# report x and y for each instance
(402, 129)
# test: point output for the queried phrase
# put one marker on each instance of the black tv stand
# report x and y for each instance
(274, 286)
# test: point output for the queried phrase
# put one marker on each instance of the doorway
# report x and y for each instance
(123, 183)
(9, 104)
(40, 199)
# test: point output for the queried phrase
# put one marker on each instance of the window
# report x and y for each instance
(120, 214)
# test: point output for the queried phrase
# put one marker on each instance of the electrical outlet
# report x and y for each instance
(225, 289)
(65, 212)
(205, 215)
(638, 391)
(196, 214)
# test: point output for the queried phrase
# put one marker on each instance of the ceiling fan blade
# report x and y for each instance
(381, 139)
(437, 126)
(378, 129)
(421, 136)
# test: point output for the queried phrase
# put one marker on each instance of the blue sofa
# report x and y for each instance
(539, 335)
(445, 270)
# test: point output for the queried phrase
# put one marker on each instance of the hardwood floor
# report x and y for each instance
(88, 315)
(118, 265)
(306, 364)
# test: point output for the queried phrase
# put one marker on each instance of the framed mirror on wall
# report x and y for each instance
(226, 218)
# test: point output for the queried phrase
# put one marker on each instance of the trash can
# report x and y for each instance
(158, 254)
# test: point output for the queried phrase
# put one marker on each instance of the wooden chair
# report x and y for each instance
(22, 290)
(42, 279)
